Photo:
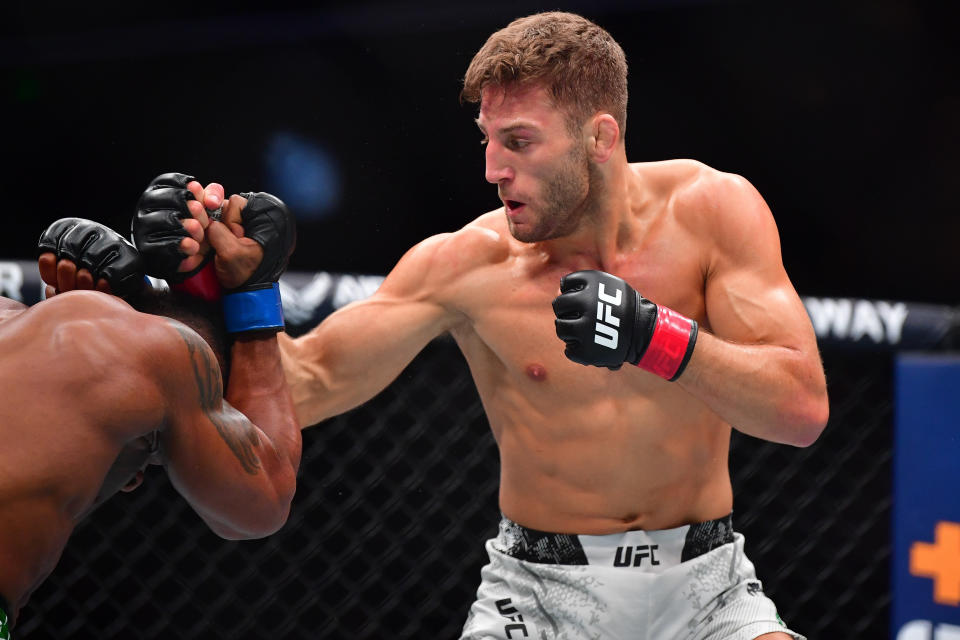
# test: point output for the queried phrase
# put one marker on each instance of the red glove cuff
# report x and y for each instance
(203, 284)
(670, 345)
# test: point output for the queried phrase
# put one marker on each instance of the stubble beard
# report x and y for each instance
(569, 197)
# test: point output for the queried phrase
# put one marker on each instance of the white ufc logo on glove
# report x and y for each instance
(606, 334)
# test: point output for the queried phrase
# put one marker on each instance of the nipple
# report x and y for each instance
(536, 372)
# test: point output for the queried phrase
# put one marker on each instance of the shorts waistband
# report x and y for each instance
(653, 550)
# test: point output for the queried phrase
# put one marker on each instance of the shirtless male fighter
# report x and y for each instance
(614, 487)
(94, 390)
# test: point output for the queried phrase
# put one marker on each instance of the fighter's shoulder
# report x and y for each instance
(704, 197)
(479, 243)
(76, 310)
(111, 320)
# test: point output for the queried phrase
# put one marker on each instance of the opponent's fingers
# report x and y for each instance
(237, 258)
(189, 247)
(196, 209)
(194, 228)
(104, 286)
(191, 263)
(50, 291)
(213, 195)
(47, 263)
(196, 190)
(66, 275)
(84, 279)
(232, 210)
(237, 229)
(226, 243)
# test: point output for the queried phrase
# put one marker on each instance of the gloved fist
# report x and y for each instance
(249, 267)
(268, 221)
(92, 246)
(158, 229)
(605, 322)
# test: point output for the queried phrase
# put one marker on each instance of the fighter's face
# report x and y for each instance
(541, 170)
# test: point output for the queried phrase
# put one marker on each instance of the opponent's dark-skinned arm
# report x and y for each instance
(266, 456)
(235, 460)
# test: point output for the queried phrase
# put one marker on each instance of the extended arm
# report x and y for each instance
(357, 351)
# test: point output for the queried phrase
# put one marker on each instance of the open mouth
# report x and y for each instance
(513, 205)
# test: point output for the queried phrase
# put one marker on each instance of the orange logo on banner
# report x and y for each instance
(940, 561)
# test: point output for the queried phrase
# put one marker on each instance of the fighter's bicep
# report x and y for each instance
(421, 290)
(756, 305)
(214, 459)
(749, 297)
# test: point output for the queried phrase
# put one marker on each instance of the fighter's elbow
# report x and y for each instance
(255, 526)
(806, 419)
(261, 516)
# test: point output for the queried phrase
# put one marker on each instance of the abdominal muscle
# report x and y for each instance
(591, 451)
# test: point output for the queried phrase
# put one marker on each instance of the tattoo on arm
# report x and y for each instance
(234, 428)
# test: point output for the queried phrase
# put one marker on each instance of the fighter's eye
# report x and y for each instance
(517, 143)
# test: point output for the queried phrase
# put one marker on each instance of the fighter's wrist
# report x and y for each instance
(256, 308)
(202, 283)
(670, 346)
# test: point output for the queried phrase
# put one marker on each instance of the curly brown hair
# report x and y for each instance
(582, 67)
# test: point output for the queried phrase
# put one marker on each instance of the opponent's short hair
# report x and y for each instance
(582, 67)
(206, 318)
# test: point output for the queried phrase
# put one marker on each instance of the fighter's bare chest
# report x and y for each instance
(511, 318)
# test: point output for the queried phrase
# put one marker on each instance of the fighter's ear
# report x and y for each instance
(604, 136)
(133, 482)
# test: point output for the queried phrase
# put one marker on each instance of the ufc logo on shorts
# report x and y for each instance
(607, 334)
(638, 554)
(508, 611)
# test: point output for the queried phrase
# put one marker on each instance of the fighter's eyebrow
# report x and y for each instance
(508, 129)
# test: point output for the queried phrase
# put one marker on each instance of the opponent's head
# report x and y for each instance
(205, 318)
(548, 85)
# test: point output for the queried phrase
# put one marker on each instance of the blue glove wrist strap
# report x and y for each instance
(257, 309)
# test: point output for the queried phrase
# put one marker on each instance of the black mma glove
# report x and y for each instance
(605, 322)
(157, 228)
(100, 249)
(255, 305)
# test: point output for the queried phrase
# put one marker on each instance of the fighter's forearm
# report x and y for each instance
(354, 354)
(771, 392)
(258, 389)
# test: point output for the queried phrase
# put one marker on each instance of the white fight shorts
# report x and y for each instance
(689, 583)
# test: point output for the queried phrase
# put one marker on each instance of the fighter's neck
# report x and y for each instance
(608, 228)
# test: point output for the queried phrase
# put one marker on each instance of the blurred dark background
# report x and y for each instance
(845, 115)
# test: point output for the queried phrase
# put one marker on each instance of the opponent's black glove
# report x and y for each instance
(605, 322)
(157, 226)
(255, 305)
(100, 249)
(268, 221)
